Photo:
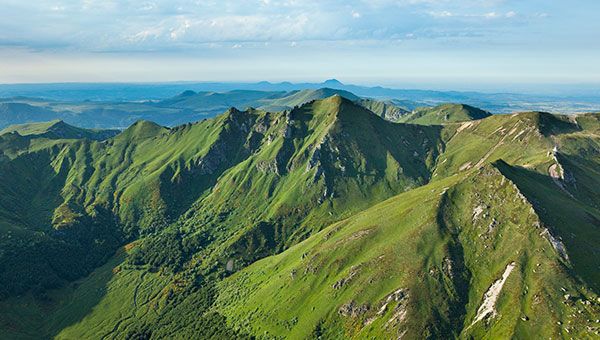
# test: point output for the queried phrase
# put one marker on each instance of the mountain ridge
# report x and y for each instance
(276, 222)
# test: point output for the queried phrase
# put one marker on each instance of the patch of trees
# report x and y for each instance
(170, 249)
(36, 261)
(186, 317)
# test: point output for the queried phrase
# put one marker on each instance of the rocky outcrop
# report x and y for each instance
(488, 306)
(353, 309)
(213, 159)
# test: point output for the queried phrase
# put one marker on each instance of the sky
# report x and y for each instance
(416, 43)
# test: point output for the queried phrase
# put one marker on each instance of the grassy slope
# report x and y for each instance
(95, 195)
(332, 161)
(444, 113)
(517, 225)
(58, 129)
(428, 243)
(108, 175)
(110, 294)
(262, 161)
(385, 109)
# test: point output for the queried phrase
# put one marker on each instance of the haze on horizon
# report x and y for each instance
(466, 43)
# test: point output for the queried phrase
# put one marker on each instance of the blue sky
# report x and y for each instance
(435, 43)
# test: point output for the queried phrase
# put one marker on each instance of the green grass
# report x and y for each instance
(445, 113)
(404, 243)
(249, 219)
(108, 296)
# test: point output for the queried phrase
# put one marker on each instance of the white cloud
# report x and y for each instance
(166, 25)
(441, 14)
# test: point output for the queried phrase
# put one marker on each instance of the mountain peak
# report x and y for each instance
(333, 81)
(142, 129)
(187, 93)
(58, 123)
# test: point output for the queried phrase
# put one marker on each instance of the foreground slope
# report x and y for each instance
(495, 250)
(498, 250)
(423, 264)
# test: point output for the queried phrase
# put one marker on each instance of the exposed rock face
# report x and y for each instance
(488, 307)
(341, 283)
(237, 133)
(268, 167)
(208, 164)
(448, 267)
(400, 296)
(287, 128)
(477, 211)
(352, 309)
(556, 244)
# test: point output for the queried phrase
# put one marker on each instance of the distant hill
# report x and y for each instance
(297, 98)
(445, 113)
(57, 129)
(17, 113)
(582, 100)
(219, 100)
(190, 106)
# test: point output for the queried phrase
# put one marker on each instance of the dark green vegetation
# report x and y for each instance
(323, 220)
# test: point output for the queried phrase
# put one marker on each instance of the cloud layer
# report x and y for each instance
(286, 32)
(95, 25)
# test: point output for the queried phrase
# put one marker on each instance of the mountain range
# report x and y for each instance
(579, 99)
(316, 214)
(188, 106)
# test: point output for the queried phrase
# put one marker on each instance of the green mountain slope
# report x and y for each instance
(148, 177)
(444, 113)
(385, 109)
(321, 220)
(413, 266)
(446, 245)
(57, 129)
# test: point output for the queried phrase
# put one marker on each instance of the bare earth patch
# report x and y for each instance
(488, 307)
